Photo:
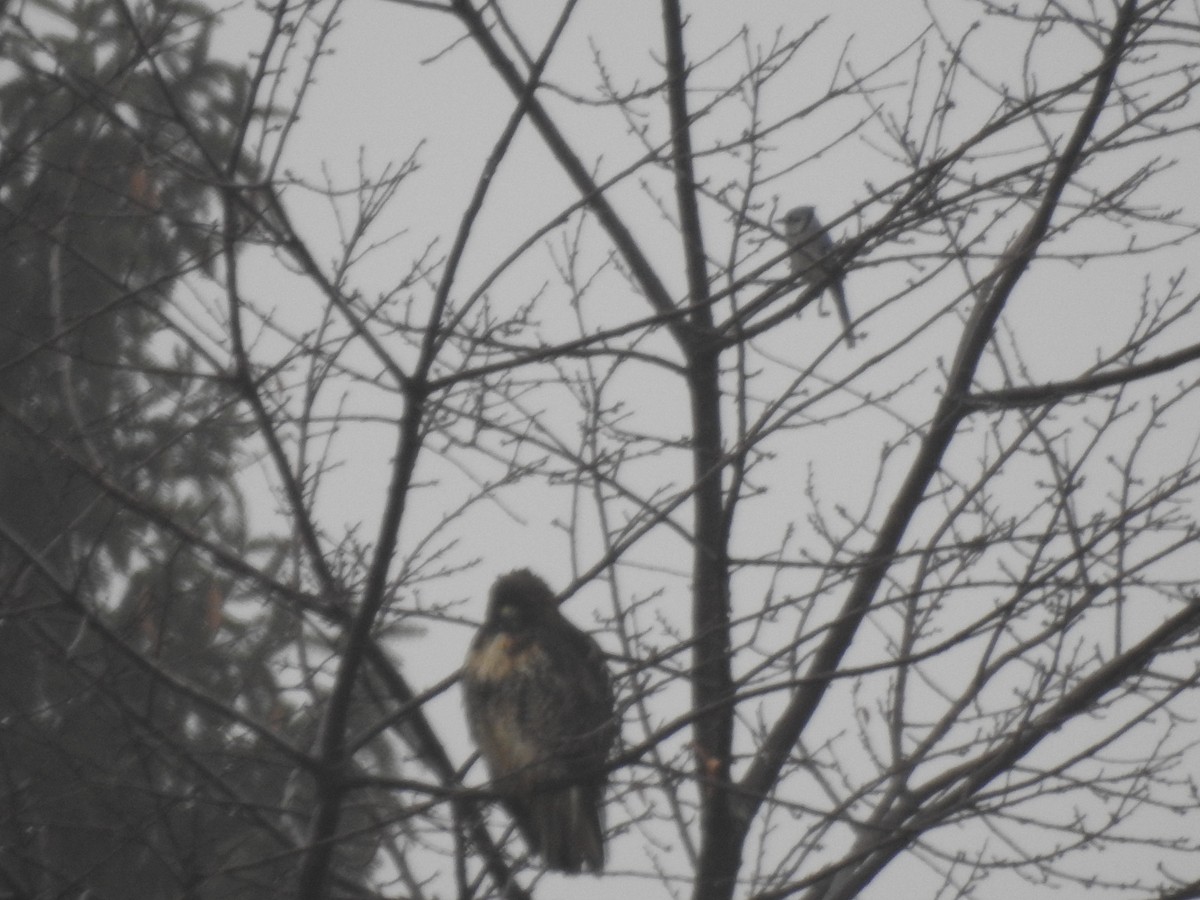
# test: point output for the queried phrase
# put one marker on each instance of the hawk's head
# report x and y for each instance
(519, 600)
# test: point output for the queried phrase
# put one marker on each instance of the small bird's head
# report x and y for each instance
(519, 599)
(800, 219)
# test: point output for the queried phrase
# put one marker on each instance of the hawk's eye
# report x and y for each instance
(507, 612)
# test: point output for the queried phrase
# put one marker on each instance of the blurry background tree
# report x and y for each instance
(917, 616)
(118, 459)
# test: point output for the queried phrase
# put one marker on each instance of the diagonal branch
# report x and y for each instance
(952, 791)
(949, 412)
(1052, 392)
(333, 752)
(655, 290)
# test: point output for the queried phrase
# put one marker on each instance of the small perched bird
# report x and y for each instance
(540, 706)
(812, 259)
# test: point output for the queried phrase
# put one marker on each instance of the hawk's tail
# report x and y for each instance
(566, 827)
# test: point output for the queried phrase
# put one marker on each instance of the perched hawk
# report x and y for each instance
(540, 706)
(812, 258)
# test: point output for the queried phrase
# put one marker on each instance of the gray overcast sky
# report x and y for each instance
(381, 94)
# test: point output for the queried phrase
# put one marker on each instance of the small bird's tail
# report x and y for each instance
(566, 828)
(839, 300)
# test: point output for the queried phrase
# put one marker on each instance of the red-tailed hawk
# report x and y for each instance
(540, 705)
